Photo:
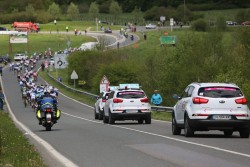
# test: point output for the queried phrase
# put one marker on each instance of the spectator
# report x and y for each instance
(118, 45)
(55, 22)
(1, 99)
(60, 79)
(1, 70)
(145, 36)
(156, 98)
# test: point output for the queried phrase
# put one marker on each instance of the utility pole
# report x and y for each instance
(184, 10)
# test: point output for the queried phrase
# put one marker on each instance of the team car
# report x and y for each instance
(99, 104)
(20, 56)
(211, 106)
(150, 26)
(128, 102)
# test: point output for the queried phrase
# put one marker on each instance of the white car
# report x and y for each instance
(20, 56)
(88, 46)
(127, 103)
(211, 106)
(150, 26)
(99, 104)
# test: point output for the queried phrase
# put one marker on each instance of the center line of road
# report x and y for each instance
(166, 137)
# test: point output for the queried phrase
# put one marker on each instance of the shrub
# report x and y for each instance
(200, 25)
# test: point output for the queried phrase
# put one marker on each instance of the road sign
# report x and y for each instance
(74, 75)
(60, 61)
(171, 21)
(81, 82)
(104, 80)
(104, 84)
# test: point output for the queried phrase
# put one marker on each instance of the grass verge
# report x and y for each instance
(14, 147)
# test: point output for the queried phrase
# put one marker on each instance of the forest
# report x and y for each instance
(127, 5)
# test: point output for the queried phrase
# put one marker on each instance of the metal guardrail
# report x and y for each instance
(72, 89)
(156, 108)
(162, 108)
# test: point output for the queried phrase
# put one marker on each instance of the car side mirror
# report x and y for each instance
(176, 97)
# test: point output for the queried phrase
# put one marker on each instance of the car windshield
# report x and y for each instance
(130, 94)
(220, 92)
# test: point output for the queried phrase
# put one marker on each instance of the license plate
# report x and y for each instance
(222, 117)
(131, 111)
(48, 116)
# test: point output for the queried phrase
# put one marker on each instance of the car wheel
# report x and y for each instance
(100, 115)
(111, 119)
(175, 129)
(96, 115)
(105, 120)
(140, 121)
(228, 133)
(148, 120)
(188, 131)
(244, 133)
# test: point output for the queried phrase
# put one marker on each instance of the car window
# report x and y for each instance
(101, 94)
(111, 95)
(190, 91)
(220, 92)
(130, 94)
(185, 93)
(105, 96)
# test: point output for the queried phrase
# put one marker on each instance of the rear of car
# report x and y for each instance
(99, 105)
(217, 106)
(130, 104)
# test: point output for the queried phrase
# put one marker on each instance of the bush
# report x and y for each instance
(200, 25)
(43, 17)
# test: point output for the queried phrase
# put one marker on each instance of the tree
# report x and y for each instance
(73, 11)
(94, 9)
(30, 11)
(54, 10)
(137, 13)
(114, 8)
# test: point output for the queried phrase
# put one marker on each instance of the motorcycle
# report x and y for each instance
(47, 116)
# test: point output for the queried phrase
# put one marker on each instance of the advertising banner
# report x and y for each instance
(20, 37)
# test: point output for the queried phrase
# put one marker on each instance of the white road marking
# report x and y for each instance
(166, 137)
(62, 159)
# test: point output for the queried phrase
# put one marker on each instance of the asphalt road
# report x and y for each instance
(90, 143)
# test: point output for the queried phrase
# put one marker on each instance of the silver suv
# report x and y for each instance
(211, 106)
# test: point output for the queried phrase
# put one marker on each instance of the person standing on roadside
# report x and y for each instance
(156, 98)
(1, 70)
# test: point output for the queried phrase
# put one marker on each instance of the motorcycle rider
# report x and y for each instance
(44, 100)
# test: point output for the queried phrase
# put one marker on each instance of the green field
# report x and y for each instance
(40, 42)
